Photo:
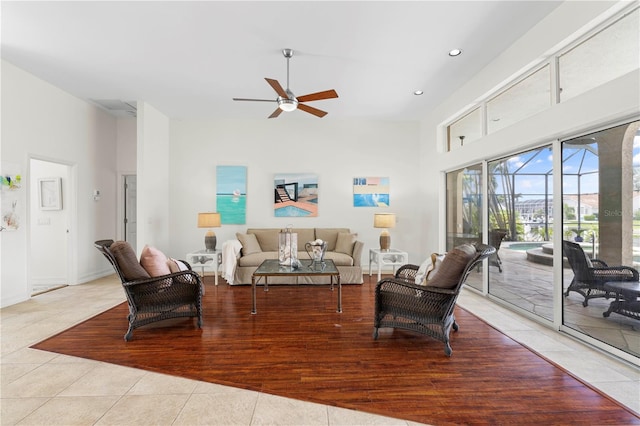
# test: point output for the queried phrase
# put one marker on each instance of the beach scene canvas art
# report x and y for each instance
(231, 194)
(295, 195)
(371, 192)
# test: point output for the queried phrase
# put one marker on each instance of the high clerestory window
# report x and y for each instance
(611, 52)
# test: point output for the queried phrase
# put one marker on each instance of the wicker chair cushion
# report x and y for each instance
(345, 242)
(154, 262)
(127, 261)
(448, 275)
(249, 243)
(176, 265)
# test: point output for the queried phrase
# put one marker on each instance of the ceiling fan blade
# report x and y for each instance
(276, 86)
(255, 100)
(275, 113)
(327, 94)
(312, 110)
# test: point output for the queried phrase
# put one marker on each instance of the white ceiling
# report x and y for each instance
(189, 59)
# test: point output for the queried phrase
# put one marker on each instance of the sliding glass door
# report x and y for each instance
(601, 214)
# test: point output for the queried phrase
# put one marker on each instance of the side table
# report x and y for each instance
(209, 259)
(391, 257)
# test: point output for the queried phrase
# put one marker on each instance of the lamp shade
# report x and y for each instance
(208, 220)
(384, 220)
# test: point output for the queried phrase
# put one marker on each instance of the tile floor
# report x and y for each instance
(39, 387)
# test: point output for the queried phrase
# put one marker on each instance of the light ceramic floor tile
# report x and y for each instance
(343, 417)
(104, 379)
(141, 410)
(12, 410)
(27, 356)
(70, 411)
(234, 408)
(158, 384)
(276, 410)
(48, 380)
(12, 372)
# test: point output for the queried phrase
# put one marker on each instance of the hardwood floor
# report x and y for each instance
(299, 347)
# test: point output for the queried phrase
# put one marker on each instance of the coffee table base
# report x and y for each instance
(269, 268)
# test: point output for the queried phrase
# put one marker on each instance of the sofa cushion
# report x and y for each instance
(154, 262)
(340, 259)
(305, 235)
(255, 259)
(127, 261)
(267, 238)
(249, 243)
(345, 242)
(330, 235)
(448, 275)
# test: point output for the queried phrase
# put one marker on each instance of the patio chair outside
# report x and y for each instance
(591, 274)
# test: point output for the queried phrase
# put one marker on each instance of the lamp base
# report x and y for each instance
(210, 242)
(385, 242)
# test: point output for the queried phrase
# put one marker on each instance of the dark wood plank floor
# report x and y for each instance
(299, 347)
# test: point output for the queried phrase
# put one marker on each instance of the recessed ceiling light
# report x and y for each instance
(455, 52)
(418, 92)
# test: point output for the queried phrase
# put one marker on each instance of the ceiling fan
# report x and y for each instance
(286, 99)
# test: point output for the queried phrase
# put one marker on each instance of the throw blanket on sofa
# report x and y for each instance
(230, 254)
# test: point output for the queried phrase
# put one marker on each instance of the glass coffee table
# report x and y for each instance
(272, 268)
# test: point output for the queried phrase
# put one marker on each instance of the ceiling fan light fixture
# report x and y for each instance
(287, 105)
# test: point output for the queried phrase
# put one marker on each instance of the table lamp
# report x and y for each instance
(209, 220)
(384, 221)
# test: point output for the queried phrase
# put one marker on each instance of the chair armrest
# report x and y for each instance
(597, 263)
(182, 277)
(407, 272)
(357, 253)
(615, 273)
(403, 286)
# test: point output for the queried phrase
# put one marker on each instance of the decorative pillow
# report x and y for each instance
(345, 243)
(176, 265)
(425, 267)
(428, 268)
(437, 259)
(154, 262)
(452, 267)
(127, 261)
(249, 243)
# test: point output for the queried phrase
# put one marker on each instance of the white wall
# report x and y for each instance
(40, 120)
(153, 178)
(595, 108)
(337, 151)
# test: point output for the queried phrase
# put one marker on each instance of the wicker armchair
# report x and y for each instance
(153, 299)
(590, 275)
(427, 309)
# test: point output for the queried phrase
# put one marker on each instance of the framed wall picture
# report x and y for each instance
(371, 192)
(295, 195)
(50, 193)
(231, 194)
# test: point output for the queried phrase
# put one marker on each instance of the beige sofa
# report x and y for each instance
(259, 244)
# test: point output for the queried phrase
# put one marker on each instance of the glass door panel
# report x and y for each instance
(464, 211)
(601, 220)
(520, 193)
